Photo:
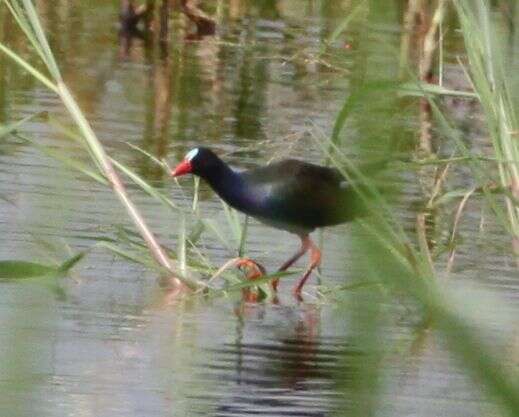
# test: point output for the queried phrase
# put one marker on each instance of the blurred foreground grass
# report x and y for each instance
(400, 263)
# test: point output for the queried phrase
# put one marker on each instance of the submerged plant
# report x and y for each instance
(494, 79)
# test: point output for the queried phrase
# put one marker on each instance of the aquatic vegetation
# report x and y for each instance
(404, 264)
(398, 262)
(494, 82)
(28, 21)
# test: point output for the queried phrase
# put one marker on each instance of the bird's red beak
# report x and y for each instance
(183, 168)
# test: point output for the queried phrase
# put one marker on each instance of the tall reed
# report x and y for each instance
(400, 261)
(494, 78)
(26, 16)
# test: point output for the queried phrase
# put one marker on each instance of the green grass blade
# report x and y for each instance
(71, 262)
(62, 157)
(232, 221)
(419, 90)
(146, 153)
(21, 18)
(14, 270)
(29, 68)
(76, 137)
(12, 127)
(19, 270)
(218, 232)
(126, 254)
(243, 237)
(148, 188)
(42, 39)
(181, 246)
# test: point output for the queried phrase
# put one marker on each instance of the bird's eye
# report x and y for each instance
(191, 154)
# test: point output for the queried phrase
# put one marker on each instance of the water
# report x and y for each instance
(114, 344)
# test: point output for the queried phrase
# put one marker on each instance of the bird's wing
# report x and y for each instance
(295, 191)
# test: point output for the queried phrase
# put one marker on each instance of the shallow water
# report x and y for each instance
(113, 344)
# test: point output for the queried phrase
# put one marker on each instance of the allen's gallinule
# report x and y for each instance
(290, 195)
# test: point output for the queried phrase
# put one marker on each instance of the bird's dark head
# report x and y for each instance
(198, 161)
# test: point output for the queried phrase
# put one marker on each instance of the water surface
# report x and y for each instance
(113, 344)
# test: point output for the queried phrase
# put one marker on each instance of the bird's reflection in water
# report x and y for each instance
(280, 364)
(127, 39)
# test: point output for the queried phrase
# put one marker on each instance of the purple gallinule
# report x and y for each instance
(291, 195)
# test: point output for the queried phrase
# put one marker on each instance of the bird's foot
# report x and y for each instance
(252, 269)
(296, 292)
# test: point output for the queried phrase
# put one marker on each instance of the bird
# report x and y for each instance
(290, 194)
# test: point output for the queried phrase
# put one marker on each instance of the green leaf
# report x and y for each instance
(10, 270)
(29, 68)
(449, 196)
(358, 95)
(41, 39)
(12, 127)
(15, 270)
(71, 262)
(419, 89)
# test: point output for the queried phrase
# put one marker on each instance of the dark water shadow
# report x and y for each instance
(279, 364)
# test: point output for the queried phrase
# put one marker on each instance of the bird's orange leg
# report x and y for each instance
(315, 261)
(253, 271)
(305, 245)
